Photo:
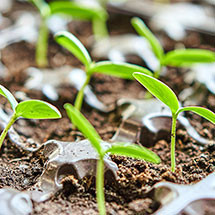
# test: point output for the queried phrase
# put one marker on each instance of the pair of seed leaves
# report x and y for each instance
(180, 57)
(162, 92)
(118, 69)
(30, 109)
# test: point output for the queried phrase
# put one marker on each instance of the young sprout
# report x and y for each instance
(122, 70)
(98, 16)
(177, 58)
(30, 109)
(162, 92)
(42, 41)
(125, 149)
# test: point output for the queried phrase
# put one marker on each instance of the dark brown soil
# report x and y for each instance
(20, 169)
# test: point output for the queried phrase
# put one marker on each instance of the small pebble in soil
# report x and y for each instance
(140, 205)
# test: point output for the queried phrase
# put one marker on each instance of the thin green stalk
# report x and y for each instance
(99, 29)
(42, 44)
(100, 186)
(4, 133)
(80, 96)
(103, 3)
(174, 118)
(158, 72)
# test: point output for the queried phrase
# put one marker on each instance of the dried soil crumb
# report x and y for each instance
(140, 205)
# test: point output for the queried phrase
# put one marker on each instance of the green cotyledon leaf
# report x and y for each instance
(143, 31)
(160, 90)
(188, 57)
(121, 70)
(134, 151)
(78, 10)
(37, 109)
(71, 43)
(84, 126)
(8, 95)
(204, 112)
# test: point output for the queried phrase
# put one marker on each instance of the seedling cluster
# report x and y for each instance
(184, 57)
(37, 109)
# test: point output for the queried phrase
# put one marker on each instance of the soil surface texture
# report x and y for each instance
(21, 169)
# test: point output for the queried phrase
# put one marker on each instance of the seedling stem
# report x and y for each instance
(162, 92)
(126, 149)
(100, 186)
(158, 71)
(174, 118)
(42, 44)
(30, 109)
(80, 95)
(103, 3)
(6, 129)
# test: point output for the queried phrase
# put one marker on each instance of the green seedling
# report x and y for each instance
(30, 109)
(42, 41)
(177, 58)
(125, 149)
(122, 70)
(162, 92)
(97, 16)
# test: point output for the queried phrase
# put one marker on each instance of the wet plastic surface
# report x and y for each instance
(13, 202)
(174, 197)
(25, 28)
(117, 48)
(12, 133)
(49, 80)
(174, 19)
(78, 159)
(147, 121)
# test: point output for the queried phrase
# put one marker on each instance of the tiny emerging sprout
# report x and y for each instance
(162, 92)
(121, 70)
(125, 149)
(97, 16)
(179, 57)
(30, 109)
